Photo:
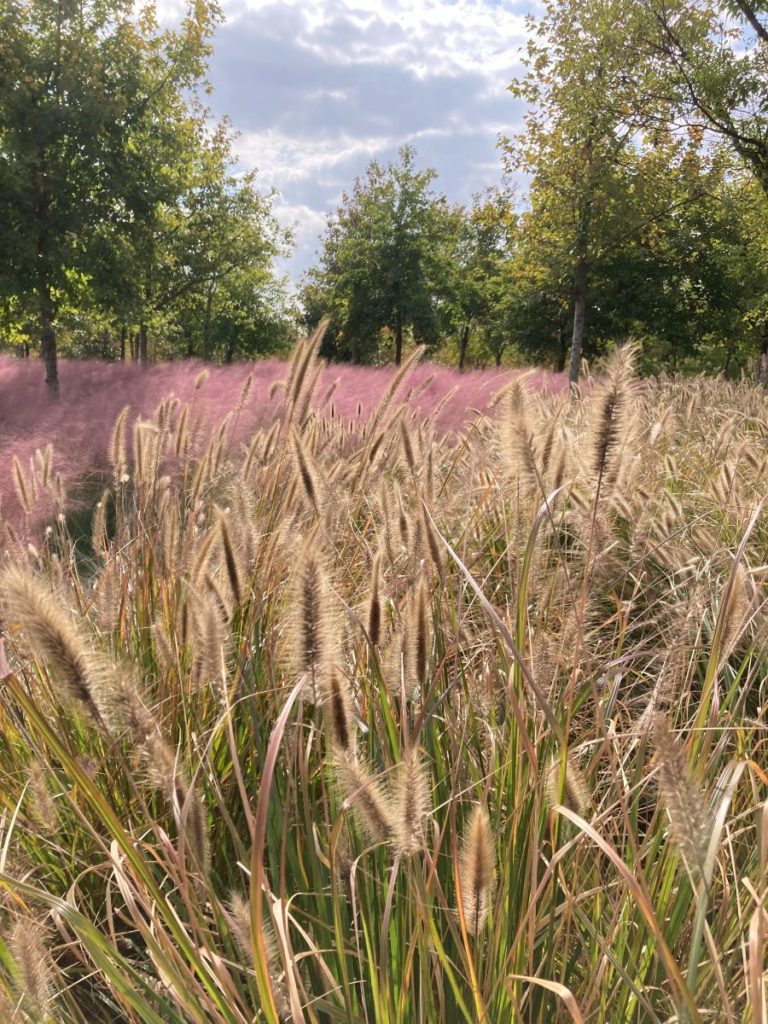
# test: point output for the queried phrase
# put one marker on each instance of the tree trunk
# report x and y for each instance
(143, 353)
(463, 343)
(232, 345)
(762, 370)
(48, 341)
(727, 364)
(207, 322)
(498, 354)
(190, 342)
(580, 283)
(398, 340)
(123, 335)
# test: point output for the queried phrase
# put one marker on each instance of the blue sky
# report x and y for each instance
(317, 89)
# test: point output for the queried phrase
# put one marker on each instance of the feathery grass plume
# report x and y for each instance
(52, 636)
(724, 435)
(99, 538)
(116, 452)
(146, 452)
(302, 409)
(245, 392)
(689, 816)
(211, 637)
(612, 421)
(476, 869)
(44, 458)
(201, 378)
(407, 442)
(303, 359)
(385, 505)
(736, 611)
(410, 803)
(313, 625)
(27, 943)
(363, 793)
(42, 807)
(548, 445)
(574, 793)
(374, 604)
(311, 478)
(391, 389)
(419, 635)
(516, 429)
(231, 560)
(203, 557)
(239, 917)
(181, 446)
(338, 712)
(23, 486)
(328, 395)
(724, 485)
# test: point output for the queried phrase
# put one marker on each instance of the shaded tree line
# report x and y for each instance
(645, 159)
(124, 228)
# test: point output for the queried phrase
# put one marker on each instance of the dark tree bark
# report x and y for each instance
(463, 343)
(48, 341)
(207, 322)
(123, 335)
(398, 340)
(580, 284)
(762, 370)
(232, 345)
(143, 345)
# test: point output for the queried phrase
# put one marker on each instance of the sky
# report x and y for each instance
(318, 88)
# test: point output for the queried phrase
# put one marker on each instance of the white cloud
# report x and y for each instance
(319, 89)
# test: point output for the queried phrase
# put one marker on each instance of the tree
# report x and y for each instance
(83, 86)
(585, 115)
(474, 278)
(710, 60)
(380, 265)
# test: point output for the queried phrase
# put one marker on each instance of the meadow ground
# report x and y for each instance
(388, 722)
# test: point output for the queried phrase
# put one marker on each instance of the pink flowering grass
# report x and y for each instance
(79, 423)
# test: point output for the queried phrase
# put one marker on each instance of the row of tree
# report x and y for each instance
(123, 225)
(645, 150)
(125, 229)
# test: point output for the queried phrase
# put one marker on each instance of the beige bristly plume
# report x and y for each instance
(411, 803)
(575, 792)
(337, 712)
(26, 942)
(116, 452)
(476, 870)
(52, 636)
(689, 815)
(374, 604)
(363, 793)
(313, 624)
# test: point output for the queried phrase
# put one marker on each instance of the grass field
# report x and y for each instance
(366, 719)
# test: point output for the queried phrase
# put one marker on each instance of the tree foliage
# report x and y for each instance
(116, 200)
(380, 264)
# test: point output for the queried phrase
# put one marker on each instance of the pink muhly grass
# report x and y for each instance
(93, 392)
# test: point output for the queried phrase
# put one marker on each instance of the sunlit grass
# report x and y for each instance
(381, 724)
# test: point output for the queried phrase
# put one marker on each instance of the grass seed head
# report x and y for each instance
(476, 869)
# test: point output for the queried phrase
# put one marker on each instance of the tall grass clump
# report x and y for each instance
(341, 716)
